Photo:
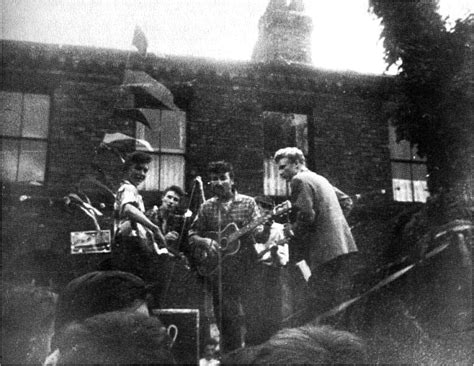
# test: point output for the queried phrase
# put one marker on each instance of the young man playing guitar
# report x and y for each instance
(232, 296)
(273, 256)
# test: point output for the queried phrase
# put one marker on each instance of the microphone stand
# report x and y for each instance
(219, 276)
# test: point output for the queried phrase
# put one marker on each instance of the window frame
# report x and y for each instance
(273, 184)
(20, 138)
(400, 148)
(159, 152)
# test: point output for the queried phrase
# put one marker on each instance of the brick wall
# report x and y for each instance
(223, 102)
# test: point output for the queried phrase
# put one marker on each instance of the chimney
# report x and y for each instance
(284, 33)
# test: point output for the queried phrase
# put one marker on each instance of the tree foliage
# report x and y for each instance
(434, 104)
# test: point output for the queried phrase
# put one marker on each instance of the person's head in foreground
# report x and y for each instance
(116, 338)
(100, 292)
(27, 323)
(308, 344)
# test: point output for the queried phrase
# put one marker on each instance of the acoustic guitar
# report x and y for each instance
(228, 240)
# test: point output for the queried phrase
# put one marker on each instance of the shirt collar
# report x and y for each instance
(236, 198)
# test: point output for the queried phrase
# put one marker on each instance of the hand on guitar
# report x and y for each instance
(203, 248)
(172, 236)
(275, 255)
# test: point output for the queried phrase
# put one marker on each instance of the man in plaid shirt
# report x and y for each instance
(238, 270)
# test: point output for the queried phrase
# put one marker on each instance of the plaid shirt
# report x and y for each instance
(240, 210)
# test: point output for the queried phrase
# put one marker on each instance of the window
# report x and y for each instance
(408, 171)
(281, 130)
(24, 133)
(167, 136)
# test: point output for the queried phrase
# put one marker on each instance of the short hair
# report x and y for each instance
(175, 189)
(27, 323)
(293, 154)
(95, 293)
(137, 157)
(116, 338)
(221, 167)
(308, 344)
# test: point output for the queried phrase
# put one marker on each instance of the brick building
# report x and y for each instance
(59, 102)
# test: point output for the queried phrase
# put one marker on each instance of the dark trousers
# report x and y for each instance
(229, 315)
(243, 317)
(264, 299)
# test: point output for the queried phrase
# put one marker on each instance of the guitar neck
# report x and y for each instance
(278, 210)
(247, 228)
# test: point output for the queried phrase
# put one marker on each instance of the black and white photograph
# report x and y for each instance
(222, 182)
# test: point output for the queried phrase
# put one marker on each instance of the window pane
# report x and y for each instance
(32, 161)
(400, 150)
(409, 186)
(36, 116)
(415, 156)
(173, 123)
(401, 171)
(402, 190)
(9, 159)
(284, 129)
(273, 184)
(300, 123)
(153, 134)
(165, 171)
(421, 190)
(172, 171)
(420, 182)
(419, 171)
(10, 113)
(167, 132)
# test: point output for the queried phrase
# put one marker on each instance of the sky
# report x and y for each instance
(345, 34)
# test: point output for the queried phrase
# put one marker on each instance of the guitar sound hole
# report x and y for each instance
(223, 243)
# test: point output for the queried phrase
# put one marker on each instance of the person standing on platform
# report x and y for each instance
(228, 207)
(273, 295)
(134, 233)
(318, 223)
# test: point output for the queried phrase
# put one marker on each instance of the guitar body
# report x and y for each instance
(208, 259)
(228, 241)
(227, 245)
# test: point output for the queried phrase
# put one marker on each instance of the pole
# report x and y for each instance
(219, 276)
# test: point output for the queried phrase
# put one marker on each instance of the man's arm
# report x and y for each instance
(134, 214)
(195, 232)
(345, 201)
(302, 200)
